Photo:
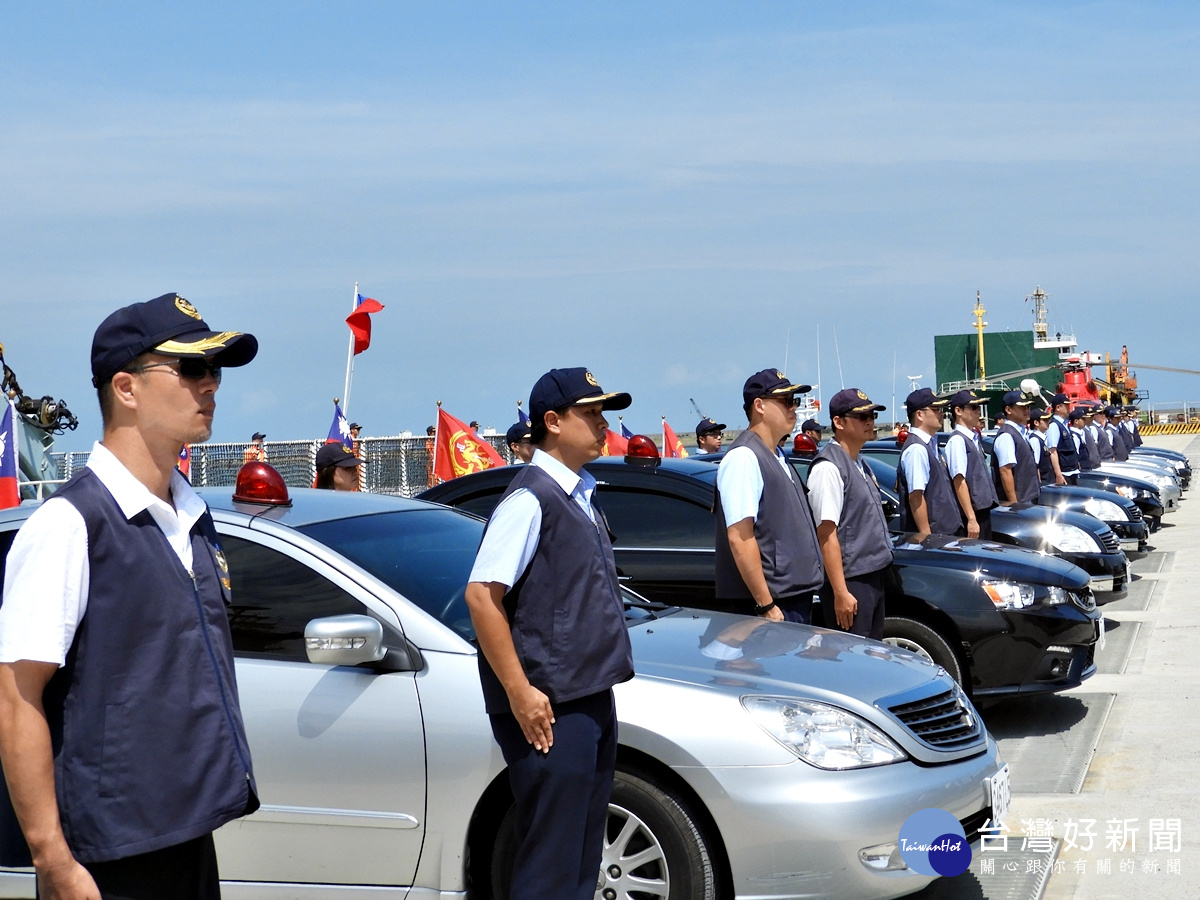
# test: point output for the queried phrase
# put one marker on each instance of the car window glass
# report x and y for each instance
(645, 519)
(274, 597)
(426, 555)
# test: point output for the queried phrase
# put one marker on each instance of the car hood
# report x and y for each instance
(987, 558)
(726, 657)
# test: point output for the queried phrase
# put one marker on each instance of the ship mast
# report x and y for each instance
(1041, 331)
(979, 326)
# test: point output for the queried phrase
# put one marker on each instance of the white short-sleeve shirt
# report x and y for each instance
(740, 481)
(47, 576)
(914, 460)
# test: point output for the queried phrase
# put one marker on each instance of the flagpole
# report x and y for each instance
(350, 355)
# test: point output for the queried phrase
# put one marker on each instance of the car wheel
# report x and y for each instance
(653, 847)
(920, 639)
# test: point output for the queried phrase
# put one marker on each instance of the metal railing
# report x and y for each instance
(394, 465)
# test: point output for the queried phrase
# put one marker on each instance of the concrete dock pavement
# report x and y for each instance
(1139, 797)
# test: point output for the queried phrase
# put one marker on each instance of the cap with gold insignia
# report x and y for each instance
(770, 383)
(560, 388)
(168, 325)
(965, 397)
(852, 400)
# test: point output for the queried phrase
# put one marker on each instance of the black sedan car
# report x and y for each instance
(1001, 620)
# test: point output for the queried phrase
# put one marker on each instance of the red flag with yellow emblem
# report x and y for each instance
(457, 450)
(614, 444)
(672, 449)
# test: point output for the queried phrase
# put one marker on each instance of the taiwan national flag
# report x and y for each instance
(339, 431)
(672, 449)
(614, 444)
(521, 417)
(457, 450)
(10, 490)
(625, 432)
(360, 321)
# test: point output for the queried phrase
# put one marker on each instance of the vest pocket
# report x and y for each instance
(114, 751)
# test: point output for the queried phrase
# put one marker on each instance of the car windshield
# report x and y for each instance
(426, 555)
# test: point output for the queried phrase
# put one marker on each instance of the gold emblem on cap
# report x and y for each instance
(862, 396)
(591, 379)
(186, 308)
(780, 375)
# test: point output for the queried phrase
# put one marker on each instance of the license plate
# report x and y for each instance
(999, 795)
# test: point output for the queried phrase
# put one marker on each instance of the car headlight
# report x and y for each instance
(1069, 538)
(822, 735)
(1105, 510)
(1055, 596)
(1129, 493)
(1008, 595)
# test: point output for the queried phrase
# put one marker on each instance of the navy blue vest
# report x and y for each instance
(784, 529)
(1024, 470)
(1104, 443)
(862, 530)
(1045, 467)
(1068, 453)
(147, 736)
(565, 611)
(1121, 443)
(979, 480)
(945, 516)
(1089, 458)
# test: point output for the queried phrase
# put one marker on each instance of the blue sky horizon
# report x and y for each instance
(674, 195)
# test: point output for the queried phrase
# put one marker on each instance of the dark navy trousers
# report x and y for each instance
(868, 591)
(561, 798)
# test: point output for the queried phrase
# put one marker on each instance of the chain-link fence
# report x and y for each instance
(394, 465)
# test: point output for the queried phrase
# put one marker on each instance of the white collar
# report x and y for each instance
(920, 433)
(563, 476)
(963, 429)
(134, 497)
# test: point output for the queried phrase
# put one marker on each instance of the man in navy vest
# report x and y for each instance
(851, 528)
(1064, 454)
(767, 559)
(548, 614)
(1016, 469)
(927, 496)
(120, 732)
(970, 474)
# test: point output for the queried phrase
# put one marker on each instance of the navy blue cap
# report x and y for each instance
(354, 425)
(1059, 398)
(1019, 398)
(258, 436)
(1079, 412)
(559, 388)
(770, 383)
(921, 398)
(168, 325)
(708, 425)
(336, 454)
(812, 425)
(521, 431)
(1112, 411)
(1036, 414)
(852, 400)
(965, 397)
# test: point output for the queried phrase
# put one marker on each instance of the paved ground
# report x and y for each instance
(1139, 716)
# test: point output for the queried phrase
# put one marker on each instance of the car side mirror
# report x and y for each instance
(348, 640)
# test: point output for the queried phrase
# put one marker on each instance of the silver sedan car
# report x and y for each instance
(756, 759)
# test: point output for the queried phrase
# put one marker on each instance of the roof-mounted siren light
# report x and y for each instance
(804, 446)
(261, 484)
(902, 435)
(642, 451)
(1031, 386)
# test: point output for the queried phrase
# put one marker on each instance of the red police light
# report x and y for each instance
(804, 446)
(642, 451)
(902, 435)
(259, 483)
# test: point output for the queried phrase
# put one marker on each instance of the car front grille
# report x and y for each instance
(945, 720)
(1110, 541)
(1135, 514)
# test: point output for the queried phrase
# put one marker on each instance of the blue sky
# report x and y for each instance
(672, 194)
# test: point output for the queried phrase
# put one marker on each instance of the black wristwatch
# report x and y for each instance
(763, 610)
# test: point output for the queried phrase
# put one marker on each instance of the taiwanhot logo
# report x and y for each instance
(932, 842)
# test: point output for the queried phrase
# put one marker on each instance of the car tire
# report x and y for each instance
(917, 637)
(648, 821)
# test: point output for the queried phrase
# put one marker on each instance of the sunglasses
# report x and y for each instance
(862, 417)
(789, 402)
(187, 368)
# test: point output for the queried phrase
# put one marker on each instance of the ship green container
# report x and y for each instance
(956, 359)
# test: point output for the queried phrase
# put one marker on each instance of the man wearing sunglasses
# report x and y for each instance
(851, 527)
(767, 560)
(120, 732)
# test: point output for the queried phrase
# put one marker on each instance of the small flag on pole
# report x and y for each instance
(614, 444)
(521, 417)
(339, 431)
(360, 321)
(625, 432)
(10, 489)
(672, 449)
(458, 450)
